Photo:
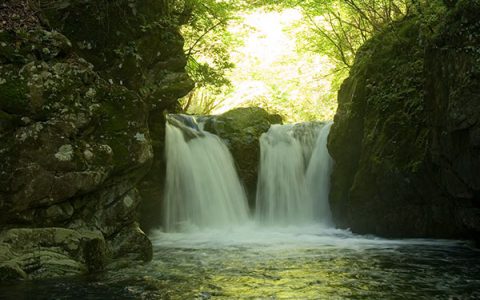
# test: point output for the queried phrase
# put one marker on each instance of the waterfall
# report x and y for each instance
(281, 189)
(318, 177)
(294, 178)
(202, 188)
(306, 133)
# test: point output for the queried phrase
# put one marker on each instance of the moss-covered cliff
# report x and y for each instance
(82, 88)
(406, 133)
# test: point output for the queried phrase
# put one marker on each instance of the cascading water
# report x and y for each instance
(318, 177)
(289, 192)
(203, 190)
(281, 191)
(202, 187)
(307, 133)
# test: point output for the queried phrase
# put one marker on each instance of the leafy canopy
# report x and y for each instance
(289, 56)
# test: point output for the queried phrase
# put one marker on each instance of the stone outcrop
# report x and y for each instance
(81, 86)
(241, 129)
(47, 252)
(405, 139)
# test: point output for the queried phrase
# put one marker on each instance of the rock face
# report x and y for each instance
(241, 129)
(406, 133)
(80, 85)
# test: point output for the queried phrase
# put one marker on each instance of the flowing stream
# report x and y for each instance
(281, 191)
(318, 178)
(210, 247)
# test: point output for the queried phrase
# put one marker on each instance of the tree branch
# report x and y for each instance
(189, 52)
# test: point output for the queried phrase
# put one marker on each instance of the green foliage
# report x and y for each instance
(335, 29)
(207, 42)
(207, 46)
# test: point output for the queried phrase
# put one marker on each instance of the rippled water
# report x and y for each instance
(279, 263)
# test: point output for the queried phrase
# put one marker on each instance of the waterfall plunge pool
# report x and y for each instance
(214, 249)
(259, 262)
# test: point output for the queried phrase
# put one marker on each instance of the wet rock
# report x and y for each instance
(11, 271)
(131, 242)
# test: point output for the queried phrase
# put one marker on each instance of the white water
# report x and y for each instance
(202, 187)
(261, 238)
(226, 255)
(288, 191)
(307, 134)
(203, 190)
(318, 177)
(281, 190)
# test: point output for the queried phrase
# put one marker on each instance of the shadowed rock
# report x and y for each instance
(405, 134)
(79, 82)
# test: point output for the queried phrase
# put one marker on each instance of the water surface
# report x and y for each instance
(279, 263)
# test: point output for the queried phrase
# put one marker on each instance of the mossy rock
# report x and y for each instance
(402, 139)
(241, 129)
(13, 91)
(74, 120)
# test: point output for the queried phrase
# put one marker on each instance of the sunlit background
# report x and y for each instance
(273, 69)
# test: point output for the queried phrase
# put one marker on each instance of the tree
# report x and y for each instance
(207, 47)
(332, 28)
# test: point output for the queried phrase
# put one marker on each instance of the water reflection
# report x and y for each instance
(273, 263)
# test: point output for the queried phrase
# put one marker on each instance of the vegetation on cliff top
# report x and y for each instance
(288, 57)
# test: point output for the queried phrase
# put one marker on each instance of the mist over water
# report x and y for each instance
(283, 262)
